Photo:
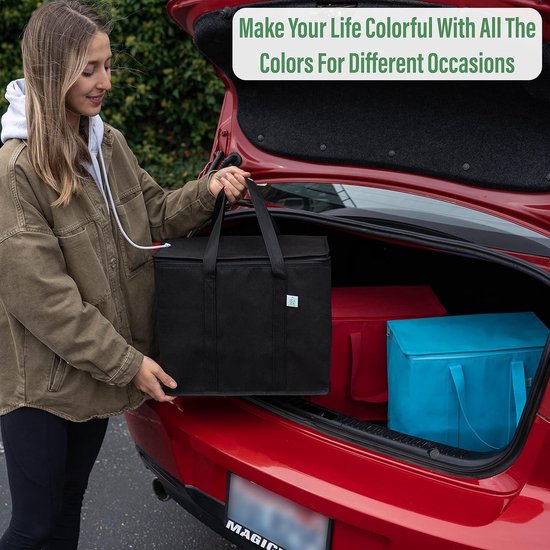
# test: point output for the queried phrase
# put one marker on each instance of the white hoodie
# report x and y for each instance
(14, 121)
(14, 126)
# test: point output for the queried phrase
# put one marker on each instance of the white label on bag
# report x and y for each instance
(291, 301)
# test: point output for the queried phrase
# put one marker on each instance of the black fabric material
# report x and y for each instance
(487, 134)
(49, 460)
(229, 331)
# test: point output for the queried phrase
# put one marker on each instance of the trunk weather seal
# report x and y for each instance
(439, 243)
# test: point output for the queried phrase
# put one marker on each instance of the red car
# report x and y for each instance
(443, 186)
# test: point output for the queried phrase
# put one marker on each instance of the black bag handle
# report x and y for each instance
(267, 230)
(278, 271)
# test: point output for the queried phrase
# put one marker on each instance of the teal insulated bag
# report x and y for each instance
(462, 380)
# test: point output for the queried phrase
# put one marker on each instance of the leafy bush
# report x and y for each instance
(165, 96)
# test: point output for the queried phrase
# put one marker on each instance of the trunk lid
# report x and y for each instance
(485, 145)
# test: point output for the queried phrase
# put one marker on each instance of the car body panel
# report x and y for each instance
(211, 437)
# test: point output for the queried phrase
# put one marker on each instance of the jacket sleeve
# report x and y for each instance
(173, 213)
(37, 291)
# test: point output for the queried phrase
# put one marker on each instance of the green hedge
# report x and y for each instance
(165, 96)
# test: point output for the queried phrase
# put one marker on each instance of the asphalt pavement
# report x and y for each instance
(120, 510)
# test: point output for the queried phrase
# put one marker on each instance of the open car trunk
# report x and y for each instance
(483, 145)
(465, 278)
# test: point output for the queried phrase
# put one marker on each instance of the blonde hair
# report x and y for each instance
(54, 48)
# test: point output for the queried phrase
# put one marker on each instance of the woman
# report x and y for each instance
(77, 220)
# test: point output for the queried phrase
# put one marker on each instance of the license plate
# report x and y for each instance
(272, 522)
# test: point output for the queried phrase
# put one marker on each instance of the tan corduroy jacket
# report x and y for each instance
(76, 301)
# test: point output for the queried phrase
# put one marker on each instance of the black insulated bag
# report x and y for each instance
(245, 315)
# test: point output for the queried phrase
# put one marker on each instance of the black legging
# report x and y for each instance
(49, 460)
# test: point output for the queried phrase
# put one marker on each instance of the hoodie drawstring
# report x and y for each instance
(115, 213)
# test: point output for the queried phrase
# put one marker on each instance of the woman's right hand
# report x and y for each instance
(150, 378)
(231, 181)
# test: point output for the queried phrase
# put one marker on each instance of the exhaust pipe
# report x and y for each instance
(160, 491)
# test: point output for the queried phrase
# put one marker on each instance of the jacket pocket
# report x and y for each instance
(58, 373)
(135, 221)
(82, 258)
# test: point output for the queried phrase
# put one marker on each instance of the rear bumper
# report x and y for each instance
(374, 501)
(205, 508)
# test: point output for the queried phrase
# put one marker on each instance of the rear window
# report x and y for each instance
(410, 212)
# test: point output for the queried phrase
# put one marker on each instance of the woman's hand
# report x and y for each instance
(232, 180)
(149, 378)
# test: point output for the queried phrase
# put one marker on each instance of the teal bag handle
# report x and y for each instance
(518, 389)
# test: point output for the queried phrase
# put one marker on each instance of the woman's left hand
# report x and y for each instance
(231, 180)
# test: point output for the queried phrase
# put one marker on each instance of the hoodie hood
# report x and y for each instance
(14, 121)
(14, 126)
